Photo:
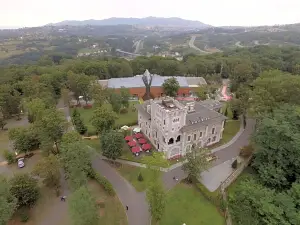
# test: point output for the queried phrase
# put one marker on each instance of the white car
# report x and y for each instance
(21, 163)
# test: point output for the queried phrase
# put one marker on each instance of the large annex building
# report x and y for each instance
(137, 88)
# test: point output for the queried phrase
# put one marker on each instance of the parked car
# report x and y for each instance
(21, 163)
(211, 158)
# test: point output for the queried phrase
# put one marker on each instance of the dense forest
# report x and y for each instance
(266, 84)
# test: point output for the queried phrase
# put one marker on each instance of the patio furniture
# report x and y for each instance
(146, 147)
(139, 135)
(132, 143)
(128, 138)
(142, 141)
(136, 150)
(137, 130)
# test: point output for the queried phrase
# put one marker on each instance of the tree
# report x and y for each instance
(103, 119)
(78, 123)
(80, 85)
(76, 159)
(115, 100)
(98, 94)
(10, 101)
(8, 203)
(24, 139)
(156, 197)
(35, 109)
(171, 87)
(2, 123)
(25, 189)
(125, 95)
(112, 144)
(51, 126)
(277, 151)
(83, 208)
(48, 170)
(196, 163)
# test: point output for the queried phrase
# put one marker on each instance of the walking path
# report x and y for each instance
(224, 155)
(138, 210)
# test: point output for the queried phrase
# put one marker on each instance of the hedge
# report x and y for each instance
(103, 182)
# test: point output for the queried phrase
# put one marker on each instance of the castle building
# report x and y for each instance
(173, 126)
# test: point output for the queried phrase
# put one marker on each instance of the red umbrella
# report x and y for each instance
(132, 143)
(128, 138)
(142, 141)
(138, 135)
(135, 149)
(146, 147)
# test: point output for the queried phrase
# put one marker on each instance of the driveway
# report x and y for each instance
(220, 169)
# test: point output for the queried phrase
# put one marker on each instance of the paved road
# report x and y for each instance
(224, 155)
(191, 44)
(138, 213)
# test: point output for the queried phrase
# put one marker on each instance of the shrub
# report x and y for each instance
(140, 177)
(246, 151)
(104, 183)
(24, 215)
(9, 156)
(123, 111)
(234, 164)
(88, 106)
(91, 133)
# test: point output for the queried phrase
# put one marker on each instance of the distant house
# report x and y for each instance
(137, 87)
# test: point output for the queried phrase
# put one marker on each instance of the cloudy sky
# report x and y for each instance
(20, 13)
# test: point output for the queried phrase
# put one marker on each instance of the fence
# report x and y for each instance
(227, 182)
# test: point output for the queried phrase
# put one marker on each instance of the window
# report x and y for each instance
(200, 134)
(189, 138)
(208, 141)
(156, 134)
(146, 123)
(164, 122)
(214, 138)
(171, 141)
(195, 137)
(178, 138)
(213, 130)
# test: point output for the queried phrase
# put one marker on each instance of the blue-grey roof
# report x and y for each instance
(136, 81)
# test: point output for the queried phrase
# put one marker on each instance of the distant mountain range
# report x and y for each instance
(148, 21)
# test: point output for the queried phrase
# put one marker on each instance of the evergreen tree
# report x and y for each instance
(78, 123)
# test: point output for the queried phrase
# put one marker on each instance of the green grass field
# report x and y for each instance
(131, 173)
(187, 205)
(123, 119)
(113, 212)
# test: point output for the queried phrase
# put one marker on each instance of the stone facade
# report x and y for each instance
(173, 126)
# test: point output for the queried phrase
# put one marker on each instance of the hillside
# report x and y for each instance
(148, 21)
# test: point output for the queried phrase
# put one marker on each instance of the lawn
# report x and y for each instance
(187, 205)
(129, 118)
(130, 173)
(232, 127)
(113, 212)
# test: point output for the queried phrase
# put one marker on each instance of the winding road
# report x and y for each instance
(191, 44)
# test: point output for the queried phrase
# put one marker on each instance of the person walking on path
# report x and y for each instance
(63, 198)
(127, 207)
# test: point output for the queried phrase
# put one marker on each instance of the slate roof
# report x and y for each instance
(202, 116)
(136, 81)
(211, 104)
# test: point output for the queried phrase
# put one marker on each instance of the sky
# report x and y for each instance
(28, 13)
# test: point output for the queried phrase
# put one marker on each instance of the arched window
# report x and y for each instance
(178, 138)
(171, 141)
